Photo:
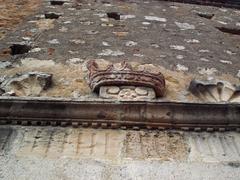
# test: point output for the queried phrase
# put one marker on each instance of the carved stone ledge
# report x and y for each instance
(104, 73)
(215, 91)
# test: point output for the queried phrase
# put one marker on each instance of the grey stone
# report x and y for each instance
(5, 64)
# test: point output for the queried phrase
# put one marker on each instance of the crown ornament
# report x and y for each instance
(103, 73)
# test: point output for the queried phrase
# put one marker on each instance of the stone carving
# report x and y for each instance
(104, 73)
(127, 92)
(28, 84)
(215, 91)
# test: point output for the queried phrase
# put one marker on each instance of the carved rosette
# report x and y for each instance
(103, 73)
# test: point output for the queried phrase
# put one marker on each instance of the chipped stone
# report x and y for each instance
(64, 82)
(179, 56)
(154, 45)
(5, 64)
(238, 74)
(10, 93)
(120, 34)
(40, 16)
(222, 22)
(226, 62)
(204, 59)
(63, 29)
(75, 61)
(131, 43)
(87, 23)
(54, 41)
(138, 55)
(76, 94)
(180, 67)
(108, 5)
(26, 38)
(174, 7)
(67, 22)
(71, 9)
(191, 40)
(146, 23)
(128, 16)
(107, 25)
(177, 47)
(185, 26)
(2, 78)
(155, 18)
(223, 10)
(207, 71)
(32, 21)
(77, 41)
(34, 30)
(101, 15)
(162, 56)
(203, 51)
(109, 52)
(34, 50)
(73, 52)
(92, 32)
(104, 43)
(104, 20)
(230, 52)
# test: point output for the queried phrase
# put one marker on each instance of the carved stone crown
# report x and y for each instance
(104, 73)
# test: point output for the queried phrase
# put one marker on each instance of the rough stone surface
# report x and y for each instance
(185, 41)
(65, 153)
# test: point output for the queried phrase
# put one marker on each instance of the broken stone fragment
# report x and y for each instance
(215, 91)
(180, 67)
(185, 26)
(207, 71)
(131, 43)
(154, 18)
(75, 61)
(109, 52)
(127, 16)
(54, 41)
(28, 84)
